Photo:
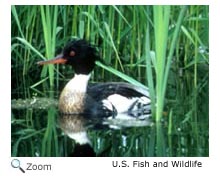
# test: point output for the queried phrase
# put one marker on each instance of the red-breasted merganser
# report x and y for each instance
(101, 100)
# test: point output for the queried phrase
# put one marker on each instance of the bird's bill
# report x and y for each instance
(57, 60)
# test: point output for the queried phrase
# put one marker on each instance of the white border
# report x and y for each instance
(102, 166)
(118, 2)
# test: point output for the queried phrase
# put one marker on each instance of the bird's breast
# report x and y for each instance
(71, 102)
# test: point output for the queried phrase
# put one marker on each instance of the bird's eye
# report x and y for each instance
(72, 53)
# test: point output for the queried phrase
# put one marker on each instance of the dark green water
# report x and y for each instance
(36, 132)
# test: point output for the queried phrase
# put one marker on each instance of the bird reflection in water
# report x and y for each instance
(76, 126)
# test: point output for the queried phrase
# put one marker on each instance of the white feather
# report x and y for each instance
(122, 104)
(78, 83)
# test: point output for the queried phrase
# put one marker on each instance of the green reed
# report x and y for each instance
(49, 23)
(163, 60)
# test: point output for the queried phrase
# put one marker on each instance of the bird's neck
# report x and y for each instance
(78, 83)
(72, 97)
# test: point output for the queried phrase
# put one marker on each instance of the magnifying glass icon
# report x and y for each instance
(15, 163)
